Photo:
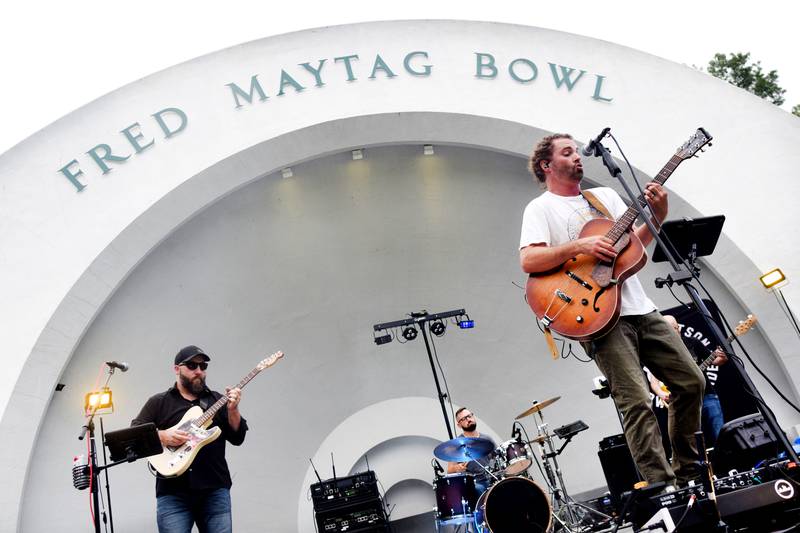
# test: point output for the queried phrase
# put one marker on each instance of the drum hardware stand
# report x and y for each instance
(565, 508)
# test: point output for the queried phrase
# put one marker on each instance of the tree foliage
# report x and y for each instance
(796, 110)
(738, 70)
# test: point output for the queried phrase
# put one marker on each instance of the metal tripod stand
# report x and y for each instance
(568, 514)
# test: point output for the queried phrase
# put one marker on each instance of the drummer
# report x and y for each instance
(469, 428)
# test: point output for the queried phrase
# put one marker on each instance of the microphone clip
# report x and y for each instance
(594, 147)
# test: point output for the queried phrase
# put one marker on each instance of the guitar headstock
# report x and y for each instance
(269, 361)
(695, 143)
(745, 325)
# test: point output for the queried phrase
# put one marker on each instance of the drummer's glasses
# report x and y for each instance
(465, 417)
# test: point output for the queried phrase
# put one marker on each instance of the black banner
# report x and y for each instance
(734, 400)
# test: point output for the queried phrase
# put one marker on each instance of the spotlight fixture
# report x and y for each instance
(287, 172)
(464, 322)
(772, 278)
(410, 333)
(437, 328)
(383, 339)
(358, 154)
(98, 402)
(427, 149)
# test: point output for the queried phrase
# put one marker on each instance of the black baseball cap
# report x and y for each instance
(189, 352)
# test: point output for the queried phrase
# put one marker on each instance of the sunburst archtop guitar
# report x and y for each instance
(580, 299)
(175, 460)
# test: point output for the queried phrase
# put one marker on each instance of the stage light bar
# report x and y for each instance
(772, 278)
(287, 172)
(357, 154)
(427, 149)
(466, 324)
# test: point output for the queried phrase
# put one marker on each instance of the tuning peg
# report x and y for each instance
(709, 144)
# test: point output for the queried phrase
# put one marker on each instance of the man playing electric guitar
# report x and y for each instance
(550, 237)
(201, 494)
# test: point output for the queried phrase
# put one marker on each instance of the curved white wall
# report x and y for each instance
(65, 252)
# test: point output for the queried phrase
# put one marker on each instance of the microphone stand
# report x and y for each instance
(682, 277)
(96, 469)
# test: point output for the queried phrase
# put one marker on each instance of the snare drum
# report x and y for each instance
(456, 498)
(514, 457)
(514, 505)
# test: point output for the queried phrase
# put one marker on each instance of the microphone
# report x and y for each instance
(437, 468)
(122, 366)
(588, 150)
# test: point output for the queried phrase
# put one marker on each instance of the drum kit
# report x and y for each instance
(513, 501)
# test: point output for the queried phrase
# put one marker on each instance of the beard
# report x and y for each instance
(471, 427)
(577, 174)
(196, 385)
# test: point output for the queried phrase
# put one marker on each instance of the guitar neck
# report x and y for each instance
(209, 414)
(624, 222)
(710, 359)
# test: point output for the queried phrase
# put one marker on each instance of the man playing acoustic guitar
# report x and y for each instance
(201, 494)
(550, 237)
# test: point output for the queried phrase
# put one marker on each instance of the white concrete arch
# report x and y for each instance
(463, 83)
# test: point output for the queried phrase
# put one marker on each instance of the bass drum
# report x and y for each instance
(514, 505)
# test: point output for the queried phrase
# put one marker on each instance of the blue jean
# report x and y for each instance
(712, 419)
(210, 510)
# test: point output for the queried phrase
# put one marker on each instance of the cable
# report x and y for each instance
(689, 505)
(749, 358)
(674, 296)
(91, 480)
(787, 310)
(535, 457)
(633, 174)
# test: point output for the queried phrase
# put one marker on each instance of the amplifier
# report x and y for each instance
(338, 492)
(359, 517)
(618, 467)
(758, 500)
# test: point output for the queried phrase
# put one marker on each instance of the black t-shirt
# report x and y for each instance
(701, 352)
(209, 470)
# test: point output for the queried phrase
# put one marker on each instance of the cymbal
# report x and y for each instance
(537, 439)
(538, 406)
(461, 449)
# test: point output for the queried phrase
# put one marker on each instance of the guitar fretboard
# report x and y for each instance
(209, 414)
(626, 220)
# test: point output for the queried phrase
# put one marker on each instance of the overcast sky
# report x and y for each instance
(60, 55)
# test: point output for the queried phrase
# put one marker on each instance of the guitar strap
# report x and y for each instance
(597, 204)
(203, 402)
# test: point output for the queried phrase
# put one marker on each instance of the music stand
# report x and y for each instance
(130, 444)
(690, 238)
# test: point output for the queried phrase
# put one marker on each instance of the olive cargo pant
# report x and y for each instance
(647, 340)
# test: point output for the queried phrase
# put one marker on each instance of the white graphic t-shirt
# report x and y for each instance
(552, 220)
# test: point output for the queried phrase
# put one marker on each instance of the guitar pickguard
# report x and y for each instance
(180, 453)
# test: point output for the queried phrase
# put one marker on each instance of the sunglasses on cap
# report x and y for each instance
(192, 365)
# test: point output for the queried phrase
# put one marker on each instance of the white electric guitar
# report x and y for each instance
(175, 460)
